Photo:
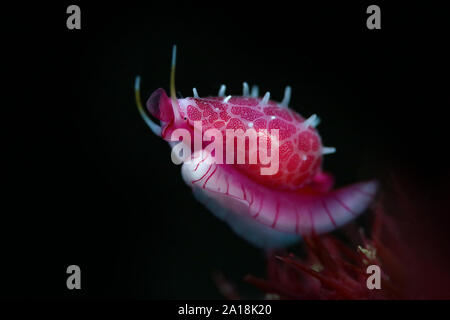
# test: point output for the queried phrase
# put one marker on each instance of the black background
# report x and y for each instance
(87, 183)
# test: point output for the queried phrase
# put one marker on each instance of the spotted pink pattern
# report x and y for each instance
(300, 148)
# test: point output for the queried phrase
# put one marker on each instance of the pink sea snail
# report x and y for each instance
(269, 211)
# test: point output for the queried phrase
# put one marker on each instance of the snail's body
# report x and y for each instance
(267, 210)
